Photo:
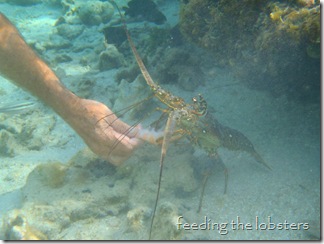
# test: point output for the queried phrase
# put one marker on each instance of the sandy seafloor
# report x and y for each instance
(95, 201)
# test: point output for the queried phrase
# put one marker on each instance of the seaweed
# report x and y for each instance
(276, 43)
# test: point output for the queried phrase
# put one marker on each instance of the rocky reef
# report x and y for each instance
(88, 199)
(168, 59)
(270, 45)
(87, 12)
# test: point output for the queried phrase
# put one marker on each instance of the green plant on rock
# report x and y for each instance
(221, 26)
(300, 23)
(275, 42)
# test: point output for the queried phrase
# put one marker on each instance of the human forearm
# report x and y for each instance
(21, 65)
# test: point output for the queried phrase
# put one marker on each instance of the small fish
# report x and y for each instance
(15, 108)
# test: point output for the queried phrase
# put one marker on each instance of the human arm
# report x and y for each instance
(20, 64)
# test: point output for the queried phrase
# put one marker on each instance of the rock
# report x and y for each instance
(39, 47)
(36, 132)
(7, 144)
(136, 218)
(25, 132)
(127, 74)
(57, 42)
(82, 158)
(69, 32)
(165, 219)
(16, 227)
(83, 85)
(62, 58)
(181, 66)
(110, 58)
(95, 12)
(57, 199)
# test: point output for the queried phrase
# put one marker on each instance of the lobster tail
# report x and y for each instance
(235, 140)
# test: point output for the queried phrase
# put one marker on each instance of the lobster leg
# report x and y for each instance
(226, 176)
(207, 172)
(202, 192)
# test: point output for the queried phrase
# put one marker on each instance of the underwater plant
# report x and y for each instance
(51, 174)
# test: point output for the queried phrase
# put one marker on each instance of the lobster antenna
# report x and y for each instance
(151, 83)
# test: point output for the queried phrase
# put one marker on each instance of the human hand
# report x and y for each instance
(103, 132)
